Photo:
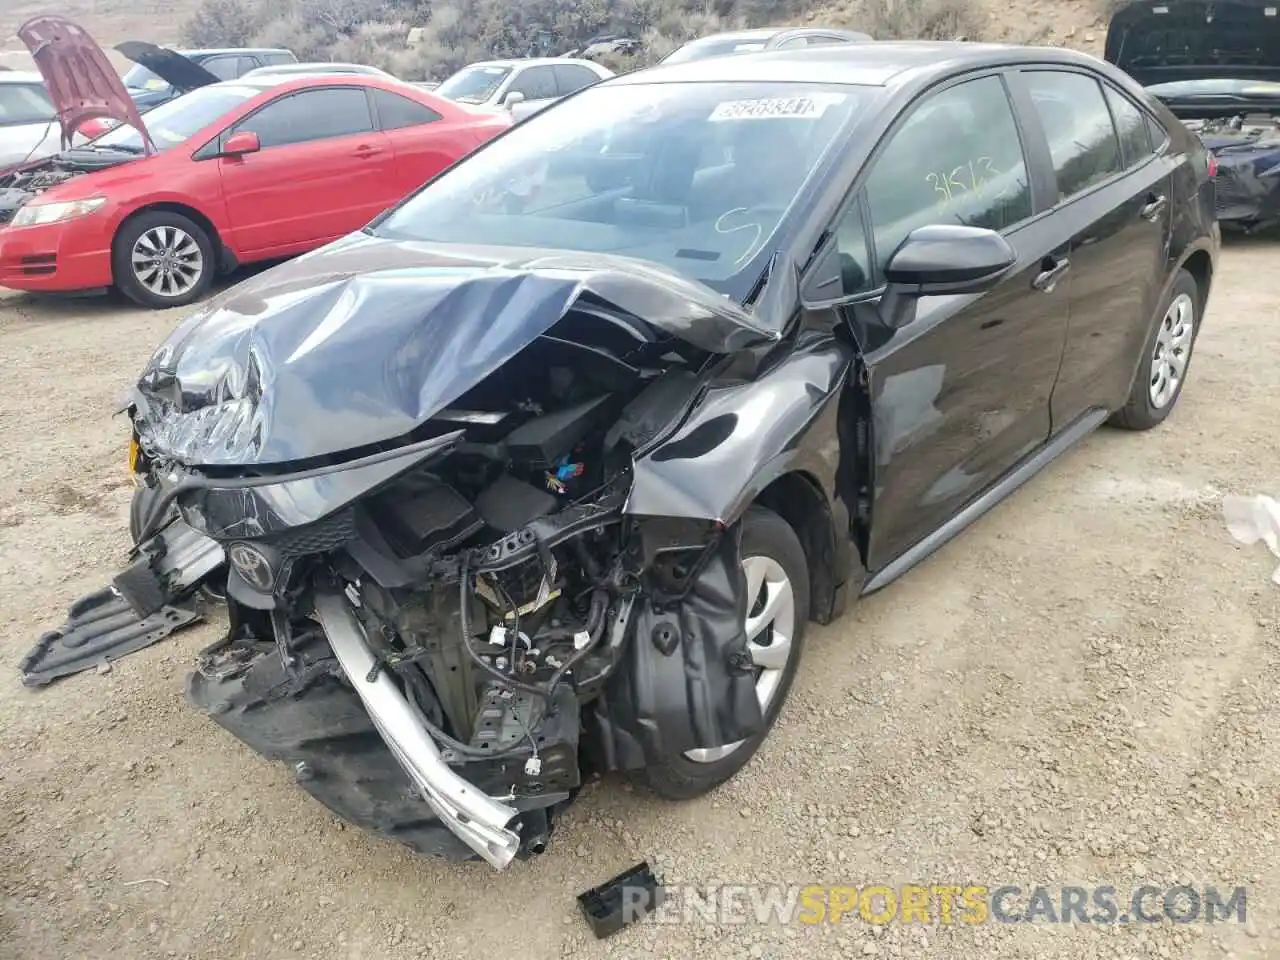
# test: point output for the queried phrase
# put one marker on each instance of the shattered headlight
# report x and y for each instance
(39, 214)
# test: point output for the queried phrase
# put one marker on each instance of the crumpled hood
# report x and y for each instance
(172, 67)
(80, 79)
(364, 340)
(1159, 42)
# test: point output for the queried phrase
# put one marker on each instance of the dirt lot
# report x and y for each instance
(1077, 691)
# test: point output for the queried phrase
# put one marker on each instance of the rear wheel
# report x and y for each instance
(162, 259)
(777, 613)
(1166, 359)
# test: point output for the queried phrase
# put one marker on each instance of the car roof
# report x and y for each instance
(216, 51)
(863, 64)
(20, 76)
(272, 81)
(759, 33)
(530, 62)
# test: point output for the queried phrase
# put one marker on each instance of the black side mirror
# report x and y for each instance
(942, 259)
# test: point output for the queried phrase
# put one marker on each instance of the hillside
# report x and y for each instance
(461, 30)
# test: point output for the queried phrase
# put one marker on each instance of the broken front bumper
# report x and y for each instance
(147, 601)
(480, 821)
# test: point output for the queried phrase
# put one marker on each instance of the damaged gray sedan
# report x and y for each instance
(544, 473)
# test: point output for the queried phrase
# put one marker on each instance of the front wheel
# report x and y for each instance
(777, 612)
(162, 259)
(1166, 359)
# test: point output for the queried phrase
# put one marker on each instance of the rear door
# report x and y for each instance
(323, 171)
(961, 394)
(423, 143)
(1113, 195)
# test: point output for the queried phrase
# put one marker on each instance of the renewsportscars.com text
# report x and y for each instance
(972, 904)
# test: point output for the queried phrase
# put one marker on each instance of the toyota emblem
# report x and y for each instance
(252, 566)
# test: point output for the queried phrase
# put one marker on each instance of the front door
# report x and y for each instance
(323, 172)
(960, 394)
(1114, 199)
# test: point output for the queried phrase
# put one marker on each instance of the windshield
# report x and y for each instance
(704, 49)
(140, 78)
(1216, 88)
(473, 84)
(24, 103)
(693, 176)
(172, 123)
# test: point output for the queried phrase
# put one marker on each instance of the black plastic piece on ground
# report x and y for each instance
(100, 627)
(627, 898)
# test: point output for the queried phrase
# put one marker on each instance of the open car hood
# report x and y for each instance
(363, 341)
(170, 66)
(1159, 41)
(79, 77)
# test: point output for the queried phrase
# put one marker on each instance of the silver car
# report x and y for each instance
(28, 125)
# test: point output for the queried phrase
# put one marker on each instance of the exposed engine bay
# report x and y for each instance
(19, 187)
(1249, 128)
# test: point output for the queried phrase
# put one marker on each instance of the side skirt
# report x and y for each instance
(1080, 428)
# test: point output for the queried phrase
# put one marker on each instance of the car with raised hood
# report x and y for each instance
(734, 42)
(1216, 66)
(159, 74)
(547, 469)
(232, 173)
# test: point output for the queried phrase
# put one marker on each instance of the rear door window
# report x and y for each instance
(571, 78)
(396, 112)
(1082, 138)
(22, 103)
(311, 115)
(224, 68)
(1131, 127)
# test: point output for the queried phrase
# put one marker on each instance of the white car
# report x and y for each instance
(28, 125)
(276, 70)
(532, 83)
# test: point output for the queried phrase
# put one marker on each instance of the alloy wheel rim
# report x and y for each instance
(1172, 351)
(167, 261)
(770, 625)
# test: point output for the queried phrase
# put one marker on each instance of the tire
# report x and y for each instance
(190, 245)
(765, 537)
(1179, 312)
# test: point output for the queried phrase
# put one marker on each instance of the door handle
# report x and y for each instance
(1154, 208)
(1051, 272)
(364, 150)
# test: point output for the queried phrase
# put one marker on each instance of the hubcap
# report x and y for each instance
(167, 261)
(1172, 350)
(771, 624)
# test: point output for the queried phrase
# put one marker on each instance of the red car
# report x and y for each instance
(231, 173)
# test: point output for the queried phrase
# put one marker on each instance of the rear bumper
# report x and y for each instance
(57, 258)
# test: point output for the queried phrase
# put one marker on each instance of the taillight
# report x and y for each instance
(1213, 165)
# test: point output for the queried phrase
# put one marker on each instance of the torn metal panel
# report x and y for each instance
(362, 342)
(744, 436)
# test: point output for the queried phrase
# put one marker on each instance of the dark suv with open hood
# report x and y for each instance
(159, 74)
(1216, 65)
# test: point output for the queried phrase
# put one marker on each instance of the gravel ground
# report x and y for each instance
(1073, 692)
